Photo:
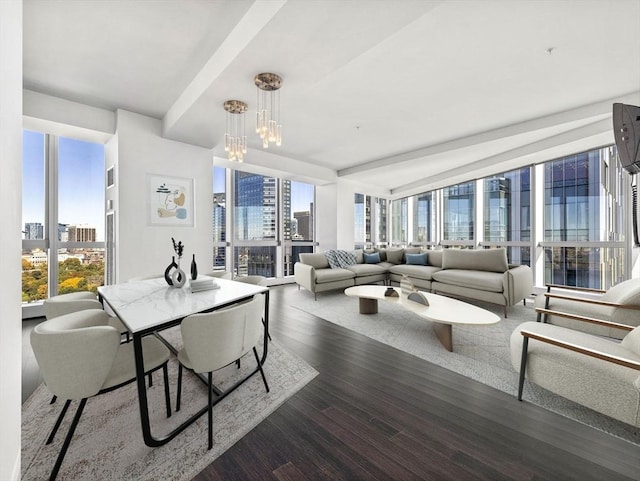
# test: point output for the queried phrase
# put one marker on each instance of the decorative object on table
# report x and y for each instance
(173, 274)
(391, 292)
(418, 297)
(169, 270)
(203, 284)
(194, 268)
(406, 286)
(170, 200)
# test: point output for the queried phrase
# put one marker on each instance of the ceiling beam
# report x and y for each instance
(574, 135)
(590, 111)
(257, 16)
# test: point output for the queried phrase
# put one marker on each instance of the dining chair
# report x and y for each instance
(80, 356)
(62, 304)
(216, 339)
(258, 281)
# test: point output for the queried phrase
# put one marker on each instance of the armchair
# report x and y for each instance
(599, 373)
(619, 305)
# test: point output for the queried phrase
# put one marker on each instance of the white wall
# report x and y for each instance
(138, 150)
(10, 238)
(326, 219)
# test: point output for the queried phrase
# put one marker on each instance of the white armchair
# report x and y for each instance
(597, 372)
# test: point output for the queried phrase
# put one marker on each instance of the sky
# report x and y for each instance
(81, 182)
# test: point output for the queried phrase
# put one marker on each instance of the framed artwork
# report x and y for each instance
(171, 200)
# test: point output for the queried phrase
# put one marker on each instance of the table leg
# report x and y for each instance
(444, 335)
(368, 306)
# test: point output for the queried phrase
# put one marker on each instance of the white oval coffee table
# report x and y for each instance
(442, 311)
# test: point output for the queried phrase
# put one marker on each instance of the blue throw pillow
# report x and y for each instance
(417, 259)
(371, 258)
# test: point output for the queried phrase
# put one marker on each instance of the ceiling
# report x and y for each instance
(397, 95)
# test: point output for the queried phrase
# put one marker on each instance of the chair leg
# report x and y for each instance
(53, 399)
(67, 440)
(238, 363)
(268, 335)
(210, 389)
(523, 366)
(167, 396)
(179, 387)
(58, 421)
(150, 380)
(264, 379)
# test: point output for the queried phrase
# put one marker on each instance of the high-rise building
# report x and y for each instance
(33, 230)
(305, 224)
(81, 233)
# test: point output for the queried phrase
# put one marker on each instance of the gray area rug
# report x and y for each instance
(480, 352)
(108, 444)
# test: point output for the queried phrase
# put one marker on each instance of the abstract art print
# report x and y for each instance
(170, 200)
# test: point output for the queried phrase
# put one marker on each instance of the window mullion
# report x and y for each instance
(51, 220)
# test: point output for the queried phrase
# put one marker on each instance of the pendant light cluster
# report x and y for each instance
(268, 124)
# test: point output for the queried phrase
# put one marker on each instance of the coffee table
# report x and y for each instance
(443, 311)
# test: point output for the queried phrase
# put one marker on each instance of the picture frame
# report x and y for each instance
(170, 200)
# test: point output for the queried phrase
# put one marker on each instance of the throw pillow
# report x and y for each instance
(395, 256)
(373, 258)
(332, 259)
(417, 259)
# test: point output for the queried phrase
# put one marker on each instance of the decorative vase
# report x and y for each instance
(168, 270)
(194, 268)
(178, 277)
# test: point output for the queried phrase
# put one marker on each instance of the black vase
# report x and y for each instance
(194, 268)
(169, 269)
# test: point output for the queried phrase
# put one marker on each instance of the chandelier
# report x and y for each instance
(268, 114)
(235, 140)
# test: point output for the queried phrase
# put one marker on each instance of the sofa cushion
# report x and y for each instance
(324, 276)
(372, 258)
(414, 272)
(632, 341)
(359, 253)
(490, 260)
(317, 260)
(434, 258)
(480, 280)
(395, 255)
(340, 258)
(410, 250)
(416, 259)
(361, 270)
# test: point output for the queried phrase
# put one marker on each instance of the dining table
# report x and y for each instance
(147, 307)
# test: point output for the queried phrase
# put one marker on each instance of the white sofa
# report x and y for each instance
(481, 274)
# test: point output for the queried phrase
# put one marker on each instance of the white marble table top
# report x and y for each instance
(442, 309)
(151, 303)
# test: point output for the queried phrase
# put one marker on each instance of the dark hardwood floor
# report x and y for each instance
(376, 413)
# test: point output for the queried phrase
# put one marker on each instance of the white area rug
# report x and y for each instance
(108, 444)
(480, 352)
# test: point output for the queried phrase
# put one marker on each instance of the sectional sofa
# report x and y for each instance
(481, 274)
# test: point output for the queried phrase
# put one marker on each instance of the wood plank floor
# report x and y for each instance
(376, 413)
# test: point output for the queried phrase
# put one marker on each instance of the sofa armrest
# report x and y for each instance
(518, 284)
(588, 300)
(305, 276)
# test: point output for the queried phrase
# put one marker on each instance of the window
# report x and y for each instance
(424, 218)
(399, 222)
(63, 216)
(298, 222)
(219, 219)
(459, 212)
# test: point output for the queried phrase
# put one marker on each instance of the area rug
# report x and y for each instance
(480, 352)
(108, 443)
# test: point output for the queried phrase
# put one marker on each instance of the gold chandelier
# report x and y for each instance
(268, 109)
(235, 140)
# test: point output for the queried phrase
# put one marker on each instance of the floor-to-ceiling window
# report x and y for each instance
(584, 231)
(507, 214)
(63, 216)
(424, 219)
(399, 222)
(270, 225)
(458, 211)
